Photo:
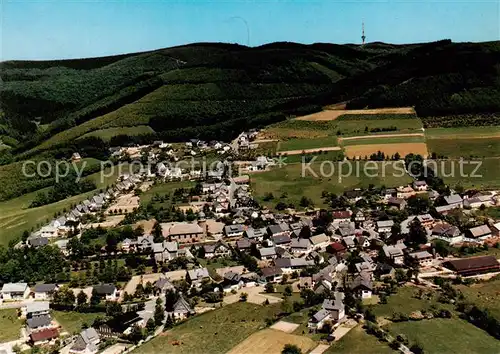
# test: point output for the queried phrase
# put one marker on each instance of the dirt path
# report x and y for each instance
(380, 136)
(308, 151)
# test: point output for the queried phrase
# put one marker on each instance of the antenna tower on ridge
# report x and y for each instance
(363, 37)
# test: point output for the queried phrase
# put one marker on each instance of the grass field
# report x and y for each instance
(370, 140)
(163, 189)
(463, 132)
(366, 126)
(357, 341)
(290, 181)
(10, 325)
(303, 144)
(271, 341)
(360, 151)
(72, 321)
(405, 302)
(334, 114)
(447, 336)
(465, 147)
(488, 172)
(484, 295)
(216, 331)
(107, 134)
(15, 216)
(332, 155)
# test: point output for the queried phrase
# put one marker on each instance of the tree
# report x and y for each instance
(136, 334)
(243, 297)
(417, 348)
(305, 202)
(291, 349)
(159, 314)
(150, 326)
(157, 232)
(417, 234)
(170, 322)
(269, 288)
(113, 309)
(81, 298)
(287, 291)
(418, 204)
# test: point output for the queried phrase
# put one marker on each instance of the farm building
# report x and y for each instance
(474, 265)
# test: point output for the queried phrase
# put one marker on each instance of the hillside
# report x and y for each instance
(211, 90)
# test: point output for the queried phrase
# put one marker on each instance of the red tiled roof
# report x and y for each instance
(341, 214)
(337, 247)
(44, 334)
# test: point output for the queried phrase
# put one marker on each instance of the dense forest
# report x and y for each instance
(214, 90)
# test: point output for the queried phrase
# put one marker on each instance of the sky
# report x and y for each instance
(57, 29)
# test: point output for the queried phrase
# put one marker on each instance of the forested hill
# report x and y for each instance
(211, 90)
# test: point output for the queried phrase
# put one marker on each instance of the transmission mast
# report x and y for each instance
(363, 37)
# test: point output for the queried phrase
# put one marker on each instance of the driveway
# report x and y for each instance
(254, 296)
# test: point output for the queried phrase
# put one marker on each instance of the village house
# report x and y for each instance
(454, 200)
(395, 252)
(196, 276)
(289, 265)
(420, 186)
(163, 285)
(255, 234)
(35, 309)
(49, 231)
(145, 244)
(278, 229)
(234, 230)
(319, 242)
(182, 232)
(426, 220)
(359, 217)
(405, 192)
(495, 230)
(332, 310)
(106, 291)
(44, 291)
(244, 245)
(398, 203)
(44, 336)
(349, 242)
(447, 233)
(272, 274)
(87, 342)
(281, 240)
(423, 258)
(15, 291)
(165, 251)
(446, 209)
(341, 216)
(36, 242)
(181, 309)
(476, 202)
(337, 249)
(216, 250)
(267, 253)
(362, 287)
(384, 226)
(300, 246)
(37, 323)
(478, 234)
(306, 283)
